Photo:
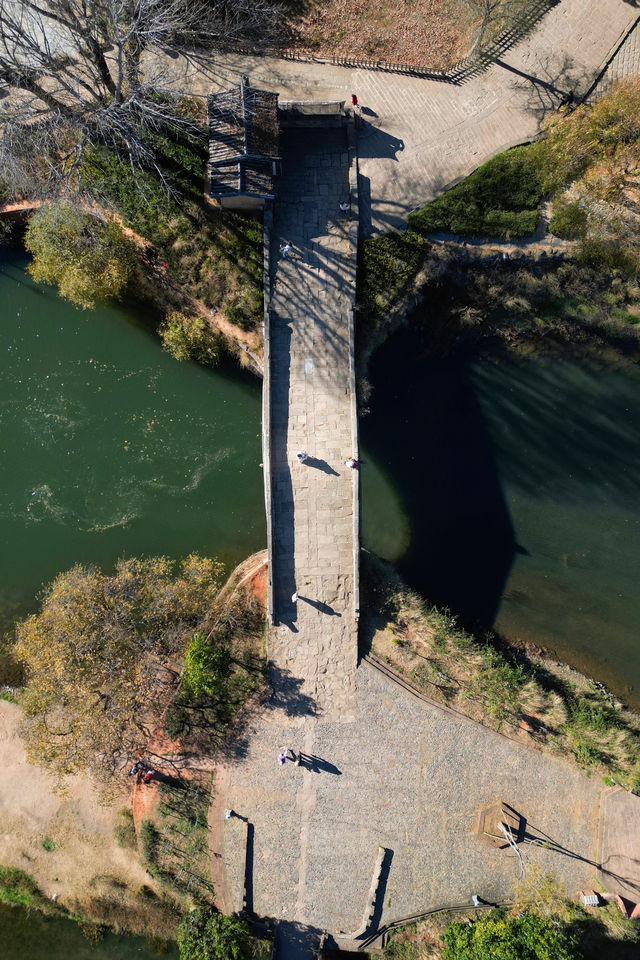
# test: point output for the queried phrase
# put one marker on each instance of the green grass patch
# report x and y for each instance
(500, 199)
(17, 887)
(388, 265)
(48, 844)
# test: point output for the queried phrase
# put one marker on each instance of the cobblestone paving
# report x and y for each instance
(410, 777)
(421, 135)
(626, 62)
(314, 646)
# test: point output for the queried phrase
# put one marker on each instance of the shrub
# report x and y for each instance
(389, 263)
(206, 667)
(190, 338)
(89, 258)
(48, 844)
(569, 219)
(19, 888)
(496, 937)
(148, 840)
(500, 199)
(125, 831)
(207, 935)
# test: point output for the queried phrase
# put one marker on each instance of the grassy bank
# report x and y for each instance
(586, 935)
(215, 255)
(588, 166)
(523, 693)
(587, 163)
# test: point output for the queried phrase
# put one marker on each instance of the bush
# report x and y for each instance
(190, 338)
(495, 937)
(148, 840)
(17, 887)
(500, 199)
(207, 668)
(389, 263)
(125, 831)
(89, 258)
(216, 256)
(569, 219)
(207, 935)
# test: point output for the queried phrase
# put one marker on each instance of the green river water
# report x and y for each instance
(518, 481)
(27, 935)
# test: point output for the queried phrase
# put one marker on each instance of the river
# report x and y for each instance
(110, 447)
(518, 483)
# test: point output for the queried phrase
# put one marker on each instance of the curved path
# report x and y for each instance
(421, 135)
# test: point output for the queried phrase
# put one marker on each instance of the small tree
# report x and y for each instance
(528, 936)
(89, 258)
(190, 338)
(207, 935)
(207, 667)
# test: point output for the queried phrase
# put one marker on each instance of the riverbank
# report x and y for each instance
(526, 694)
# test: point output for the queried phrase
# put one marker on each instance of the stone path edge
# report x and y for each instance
(354, 226)
(266, 401)
(392, 677)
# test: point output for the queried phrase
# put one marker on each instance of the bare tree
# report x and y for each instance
(71, 74)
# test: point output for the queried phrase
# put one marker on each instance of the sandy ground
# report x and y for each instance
(86, 853)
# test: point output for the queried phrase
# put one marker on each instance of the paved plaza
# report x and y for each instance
(410, 777)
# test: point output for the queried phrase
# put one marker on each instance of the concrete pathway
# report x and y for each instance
(422, 135)
(313, 646)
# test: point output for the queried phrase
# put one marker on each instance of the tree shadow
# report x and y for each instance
(427, 428)
(286, 694)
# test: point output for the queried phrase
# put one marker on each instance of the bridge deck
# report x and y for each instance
(313, 643)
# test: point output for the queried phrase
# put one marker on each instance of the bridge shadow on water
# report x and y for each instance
(427, 428)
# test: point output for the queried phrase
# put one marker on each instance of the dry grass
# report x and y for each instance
(431, 32)
(527, 695)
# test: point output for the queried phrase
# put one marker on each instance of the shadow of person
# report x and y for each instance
(322, 465)
(368, 112)
(319, 605)
(318, 765)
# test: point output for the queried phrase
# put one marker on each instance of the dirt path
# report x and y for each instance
(86, 854)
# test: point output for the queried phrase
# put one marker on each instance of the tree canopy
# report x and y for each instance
(84, 72)
(102, 656)
(87, 256)
(207, 935)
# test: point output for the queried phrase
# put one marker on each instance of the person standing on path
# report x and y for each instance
(352, 462)
(294, 597)
(302, 455)
(285, 248)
